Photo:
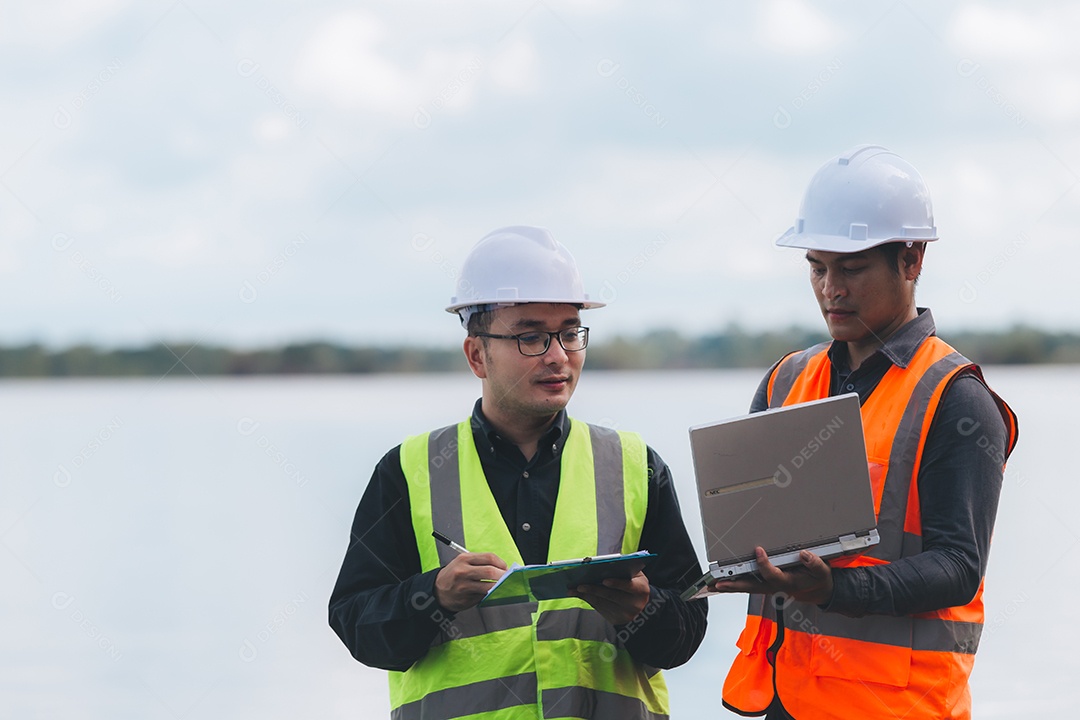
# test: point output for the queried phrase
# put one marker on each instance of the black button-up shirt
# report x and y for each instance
(382, 607)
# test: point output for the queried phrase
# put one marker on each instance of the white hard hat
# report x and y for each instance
(518, 264)
(866, 197)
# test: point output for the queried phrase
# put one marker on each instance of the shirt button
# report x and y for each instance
(525, 475)
(526, 527)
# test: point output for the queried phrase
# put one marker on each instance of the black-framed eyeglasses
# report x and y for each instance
(537, 342)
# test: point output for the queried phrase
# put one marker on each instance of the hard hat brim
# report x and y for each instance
(583, 304)
(838, 243)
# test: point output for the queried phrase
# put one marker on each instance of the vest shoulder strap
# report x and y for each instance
(788, 370)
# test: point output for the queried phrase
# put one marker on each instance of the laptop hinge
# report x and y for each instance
(849, 543)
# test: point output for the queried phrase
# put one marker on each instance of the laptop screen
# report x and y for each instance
(785, 479)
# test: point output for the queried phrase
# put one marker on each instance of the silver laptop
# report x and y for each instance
(788, 479)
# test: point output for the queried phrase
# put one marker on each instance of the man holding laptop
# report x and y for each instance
(519, 481)
(890, 632)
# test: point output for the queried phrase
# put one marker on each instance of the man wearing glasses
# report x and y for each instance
(520, 482)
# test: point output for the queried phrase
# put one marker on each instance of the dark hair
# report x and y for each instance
(479, 322)
(891, 252)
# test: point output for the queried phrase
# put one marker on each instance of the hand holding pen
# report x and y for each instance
(463, 582)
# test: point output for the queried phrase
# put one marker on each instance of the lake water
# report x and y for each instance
(167, 548)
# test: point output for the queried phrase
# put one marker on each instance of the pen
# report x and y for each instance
(447, 541)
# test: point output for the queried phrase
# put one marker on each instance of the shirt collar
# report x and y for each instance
(901, 345)
(553, 436)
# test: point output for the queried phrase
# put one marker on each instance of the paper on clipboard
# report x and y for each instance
(529, 583)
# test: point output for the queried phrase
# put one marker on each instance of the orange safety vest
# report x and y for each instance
(833, 666)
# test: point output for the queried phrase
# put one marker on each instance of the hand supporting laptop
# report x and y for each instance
(809, 582)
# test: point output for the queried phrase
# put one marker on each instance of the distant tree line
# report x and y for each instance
(660, 349)
(185, 359)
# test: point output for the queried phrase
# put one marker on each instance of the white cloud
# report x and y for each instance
(9, 259)
(515, 69)
(963, 193)
(342, 61)
(1024, 62)
(449, 78)
(89, 217)
(1055, 94)
(351, 60)
(52, 25)
(584, 7)
(183, 246)
(272, 128)
(987, 31)
(794, 26)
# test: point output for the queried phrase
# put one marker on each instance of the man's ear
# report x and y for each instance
(910, 260)
(476, 355)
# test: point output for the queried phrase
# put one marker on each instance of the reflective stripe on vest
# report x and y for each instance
(788, 371)
(914, 666)
(579, 702)
(558, 657)
(505, 693)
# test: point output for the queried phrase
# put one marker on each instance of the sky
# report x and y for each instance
(258, 173)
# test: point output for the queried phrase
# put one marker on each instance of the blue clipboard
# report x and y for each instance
(529, 583)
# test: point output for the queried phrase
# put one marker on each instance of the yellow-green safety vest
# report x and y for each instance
(551, 659)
